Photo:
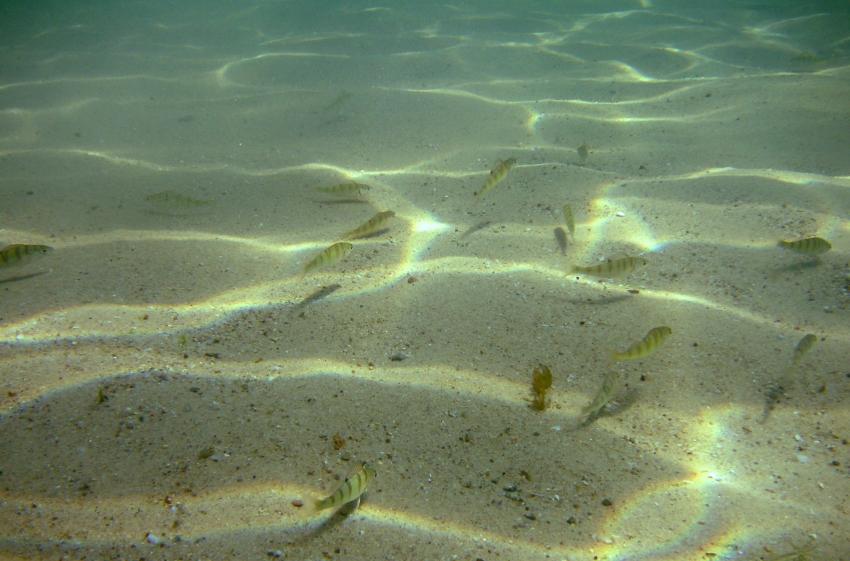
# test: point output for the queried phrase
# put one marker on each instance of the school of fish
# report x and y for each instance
(355, 486)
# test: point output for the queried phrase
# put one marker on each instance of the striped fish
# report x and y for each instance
(350, 189)
(351, 489)
(611, 267)
(329, 256)
(646, 345)
(804, 346)
(20, 253)
(569, 220)
(774, 392)
(371, 226)
(807, 246)
(497, 174)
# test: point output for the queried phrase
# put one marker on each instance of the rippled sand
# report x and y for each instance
(167, 393)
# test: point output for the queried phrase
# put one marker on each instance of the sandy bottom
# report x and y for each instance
(173, 387)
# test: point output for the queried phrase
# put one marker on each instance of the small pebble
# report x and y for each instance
(620, 213)
(297, 503)
(606, 502)
(152, 538)
(275, 553)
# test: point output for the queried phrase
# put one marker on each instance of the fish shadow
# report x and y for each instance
(602, 300)
(176, 213)
(370, 235)
(619, 404)
(475, 228)
(22, 277)
(334, 520)
(345, 201)
(799, 266)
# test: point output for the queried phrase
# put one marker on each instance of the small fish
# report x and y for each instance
(610, 387)
(583, 152)
(350, 189)
(497, 174)
(569, 220)
(351, 489)
(174, 199)
(803, 347)
(807, 246)
(370, 226)
(774, 392)
(611, 267)
(645, 346)
(21, 253)
(561, 238)
(329, 255)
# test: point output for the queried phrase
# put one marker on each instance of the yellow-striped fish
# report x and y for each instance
(329, 255)
(569, 220)
(371, 226)
(773, 393)
(351, 489)
(611, 267)
(497, 174)
(646, 345)
(350, 189)
(804, 346)
(807, 246)
(20, 253)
